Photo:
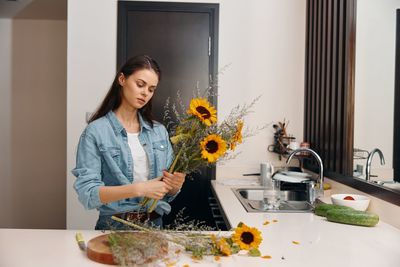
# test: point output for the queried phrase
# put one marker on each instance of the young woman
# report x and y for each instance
(123, 153)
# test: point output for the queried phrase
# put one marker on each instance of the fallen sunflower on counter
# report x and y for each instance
(247, 237)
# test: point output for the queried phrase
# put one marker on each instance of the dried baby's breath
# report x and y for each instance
(152, 245)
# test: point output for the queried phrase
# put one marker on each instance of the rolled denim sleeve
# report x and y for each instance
(88, 172)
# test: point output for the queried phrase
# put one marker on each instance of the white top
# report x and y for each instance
(140, 160)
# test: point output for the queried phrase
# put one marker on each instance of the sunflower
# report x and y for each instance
(212, 147)
(202, 109)
(247, 237)
(237, 137)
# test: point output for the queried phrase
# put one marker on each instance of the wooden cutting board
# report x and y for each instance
(98, 249)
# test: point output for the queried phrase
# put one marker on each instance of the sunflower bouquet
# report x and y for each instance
(198, 140)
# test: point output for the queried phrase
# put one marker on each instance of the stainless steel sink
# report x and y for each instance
(291, 201)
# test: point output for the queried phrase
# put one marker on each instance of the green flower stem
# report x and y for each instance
(171, 169)
(144, 201)
(130, 224)
(153, 206)
(133, 225)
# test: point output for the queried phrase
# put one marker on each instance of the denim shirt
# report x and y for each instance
(104, 159)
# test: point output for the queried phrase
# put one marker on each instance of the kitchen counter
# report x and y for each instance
(321, 243)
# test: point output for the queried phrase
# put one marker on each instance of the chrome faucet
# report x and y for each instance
(369, 160)
(320, 191)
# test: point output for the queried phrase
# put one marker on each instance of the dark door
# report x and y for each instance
(182, 38)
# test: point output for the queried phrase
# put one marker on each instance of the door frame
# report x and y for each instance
(124, 7)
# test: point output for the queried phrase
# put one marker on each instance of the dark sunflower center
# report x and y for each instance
(205, 113)
(212, 146)
(247, 238)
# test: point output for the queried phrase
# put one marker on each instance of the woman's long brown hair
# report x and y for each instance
(113, 98)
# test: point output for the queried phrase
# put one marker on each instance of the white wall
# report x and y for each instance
(32, 123)
(264, 41)
(91, 66)
(374, 81)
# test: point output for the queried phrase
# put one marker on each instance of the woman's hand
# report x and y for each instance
(155, 188)
(174, 180)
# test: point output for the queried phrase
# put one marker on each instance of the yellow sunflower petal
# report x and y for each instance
(212, 147)
(224, 247)
(237, 138)
(202, 109)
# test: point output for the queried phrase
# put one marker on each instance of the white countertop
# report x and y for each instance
(322, 243)
(58, 248)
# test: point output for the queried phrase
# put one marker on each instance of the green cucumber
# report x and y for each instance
(354, 217)
(322, 209)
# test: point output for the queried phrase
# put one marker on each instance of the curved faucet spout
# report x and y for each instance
(321, 166)
(369, 161)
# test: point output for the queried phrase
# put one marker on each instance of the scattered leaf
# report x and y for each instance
(266, 222)
(254, 252)
(274, 221)
(196, 259)
(296, 242)
(170, 264)
(235, 248)
(217, 258)
(266, 257)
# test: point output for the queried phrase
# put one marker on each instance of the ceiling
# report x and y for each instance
(34, 9)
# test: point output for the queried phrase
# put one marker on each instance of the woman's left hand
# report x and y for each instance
(175, 180)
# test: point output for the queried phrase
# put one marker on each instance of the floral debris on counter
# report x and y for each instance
(151, 244)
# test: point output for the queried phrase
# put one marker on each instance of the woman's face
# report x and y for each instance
(138, 88)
